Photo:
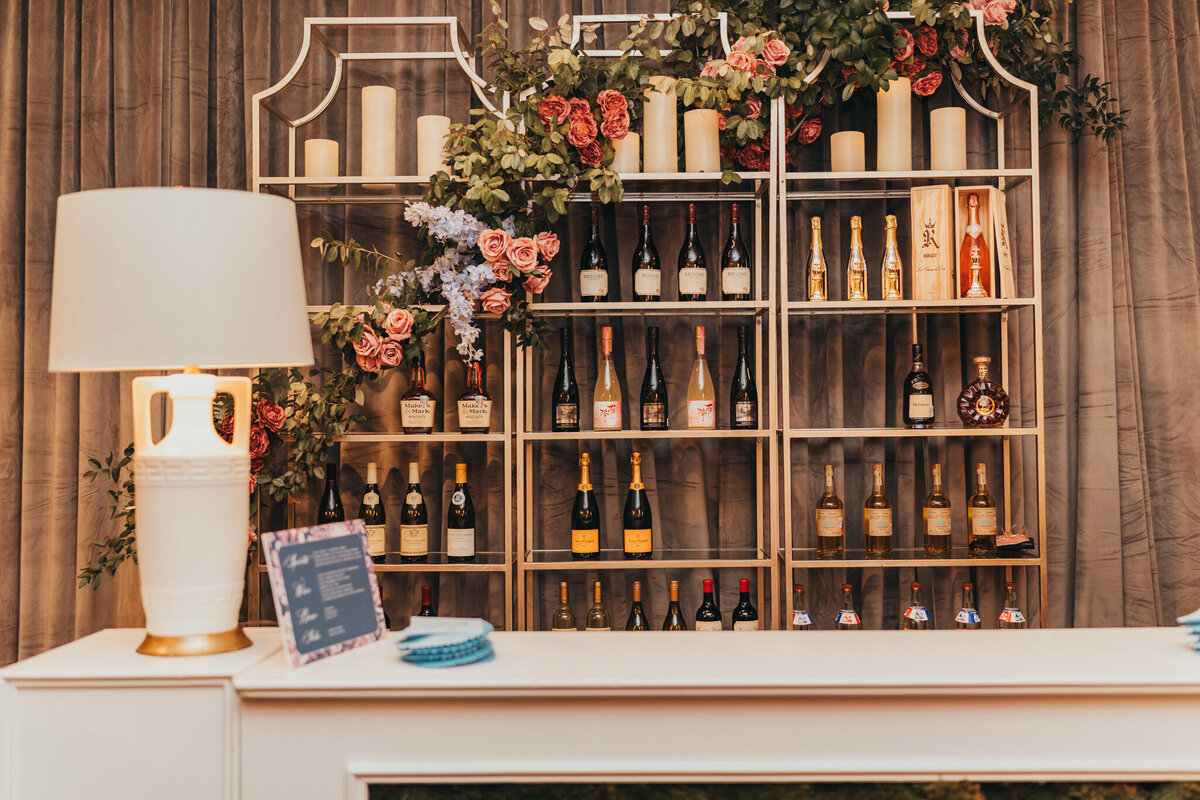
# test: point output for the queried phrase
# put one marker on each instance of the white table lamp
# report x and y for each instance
(167, 279)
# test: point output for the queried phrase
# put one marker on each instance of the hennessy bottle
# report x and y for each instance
(983, 403)
(918, 393)
(817, 274)
(892, 272)
(856, 268)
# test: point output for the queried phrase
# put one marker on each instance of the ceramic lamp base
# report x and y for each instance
(201, 644)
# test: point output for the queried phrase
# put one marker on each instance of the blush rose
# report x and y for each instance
(495, 300)
(537, 283)
(493, 244)
(775, 52)
(522, 254)
(398, 324)
(547, 245)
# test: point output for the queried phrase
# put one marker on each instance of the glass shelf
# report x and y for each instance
(720, 433)
(806, 558)
(937, 432)
(664, 308)
(424, 438)
(744, 558)
(484, 562)
(964, 306)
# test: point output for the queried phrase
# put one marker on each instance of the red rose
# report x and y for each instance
(390, 353)
(225, 428)
(582, 130)
(906, 49)
(368, 343)
(721, 122)
(579, 107)
(611, 102)
(914, 67)
(775, 52)
(728, 155)
(398, 324)
(536, 284)
(553, 106)
(927, 41)
(755, 107)
(257, 464)
(270, 414)
(260, 443)
(927, 85)
(793, 112)
(959, 50)
(253, 487)
(495, 300)
(615, 127)
(810, 131)
(591, 154)
(741, 60)
(501, 270)
(522, 254)
(753, 157)
(547, 244)
(493, 244)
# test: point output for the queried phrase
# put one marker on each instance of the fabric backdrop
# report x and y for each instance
(99, 93)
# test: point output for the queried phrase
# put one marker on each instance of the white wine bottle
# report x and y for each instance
(606, 399)
(597, 618)
(460, 520)
(414, 520)
(564, 617)
(701, 399)
(374, 517)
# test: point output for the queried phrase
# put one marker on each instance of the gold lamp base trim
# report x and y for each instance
(201, 644)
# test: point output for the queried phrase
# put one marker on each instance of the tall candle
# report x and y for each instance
(894, 127)
(321, 160)
(701, 151)
(627, 157)
(378, 133)
(660, 129)
(848, 151)
(431, 141)
(948, 139)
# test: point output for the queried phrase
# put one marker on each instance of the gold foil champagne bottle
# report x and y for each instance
(877, 519)
(831, 521)
(981, 518)
(936, 513)
(892, 272)
(818, 286)
(856, 268)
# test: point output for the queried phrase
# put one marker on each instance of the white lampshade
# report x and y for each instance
(166, 278)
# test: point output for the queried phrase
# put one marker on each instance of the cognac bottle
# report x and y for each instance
(918, 393)
(981, 518)
(983, 403)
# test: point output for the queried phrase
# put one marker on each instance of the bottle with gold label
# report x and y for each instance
(983, 403)
(981, 518)
(414, 520)
(639, 539)
(856, 268)
(564, 617)
(597, 617)
(417, 404)
(892, 272)
(460, 520)
(936, 513)
(585, 515)
(373, 516)
(831, 521)
(877, 519)
(974, 260)
(818, 277)
(475, 404)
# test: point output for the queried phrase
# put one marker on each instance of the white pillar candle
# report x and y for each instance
(948, 139)
(378, 133)
(894, 127)
(848, 151)
(627, 157)
(321, 160)
(431, 140)
(660, 129)
(702, 153)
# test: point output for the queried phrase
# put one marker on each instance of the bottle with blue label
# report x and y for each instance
(801, 619)
(916, 617)
(1011, 617)
(968, 618)
(847, 618)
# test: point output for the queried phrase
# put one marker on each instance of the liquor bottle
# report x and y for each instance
(968, 618)
(564, 617)
(976, 279)
(936, 513)
(674, 620)
(847, 619)
(460, 521)
(916, 618)
(373, 516)
(1011, 617)
(877, 519)
(743, 394)
(693, 272)
(801, 619)
(701, 399)
(593, 266)
(639, 538)
(330, 509)
(654, 387)
(585, 515)
(708, 616)
(426, 602)
(856, 267)
(606, 398)
(417, 404)
(831, 521)
(918, 393)
(637, 617)
(647, 271)
(983, 403)
(892, 272)
(981, 518)
(414, 520)
(735, 263)
(474, 404)
(597, 616)
(745, 615)
(566, 390)
(818, 276)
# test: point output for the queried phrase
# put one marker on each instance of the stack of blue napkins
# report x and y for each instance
(445, 641)
(1191, 626)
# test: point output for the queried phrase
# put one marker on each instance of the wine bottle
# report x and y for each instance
(417, 404)
(564, 617)
(593, 265)
(606, 398)
(654, 387)
(831, 521)
(674, 620)
(708, 616)
(373, 516)
(701, 400)
(597, 616)
(974, 260)
(981, 518)
(745, 615)
(637, 617)
(639, 538)
(585, 515)
(847, 619)
(735, 262)
(743, 394)
(918, 393)
(460, 521)
(818, 275)
(1011, 617)
(426, 602)
(877, 519)
(916, 617)
(801, 619)
(566, 390)
(330, 508)
(475, 404)
(968, 618)
(983, 403)
(693, 273)
(892, 271)
(856, 267)
(647, 271)
(414, 520)
(937, 515)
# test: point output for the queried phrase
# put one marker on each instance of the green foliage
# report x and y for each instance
(112, 551)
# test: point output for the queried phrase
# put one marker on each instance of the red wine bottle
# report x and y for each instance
(708, 616)
(426, 602)
(745, 615)
(566, 391)
(460, 520)
(735, 263)
(693, 271)
(647, 273)
(330, 508)
(593, 266)
(654, 387)
(743, 394)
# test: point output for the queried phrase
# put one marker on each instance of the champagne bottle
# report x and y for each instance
(474, 404)
(460, 521)
(637, 617)
(597, 617)
(735, 263)
(564, 617)
(585, 515)
(647, 272)
(566, 390)
(916, 618)
(674, 620)
(877, 519)
(426, 602)
(654, 387)
(831, 521)
(330, 508)
(918, 393)
(606, 398)
(745, 615)
(593, 265)
(708, 616)
(892, 272)
(801, 619)
(417, 404)
(968, 618)
(701, 400)
(847, 619)
(639, 538)
(818, 277)
(856, 268)
(743, 394)
(981, 518)
(693, 273)
(1011, 617)
(975, 262)
(373, 516)
(414, 520)
(937, 515)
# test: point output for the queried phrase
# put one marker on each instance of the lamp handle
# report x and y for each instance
(144, 390)
(239, 389)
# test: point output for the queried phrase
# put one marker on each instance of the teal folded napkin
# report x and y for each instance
(445, 641)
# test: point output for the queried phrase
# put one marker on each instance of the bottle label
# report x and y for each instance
(459, 497)
(460, 542)
(801, 619)
(982, 521)
(566, 414)
(693, 280)
(917, 614)
(920, 406)
(937, 521)
(417, 413)
(593, 283)
(589, 628)
(414, 540)
(746, 625)
(637, 540)
(1012, 615)
(564, 630)
(648, 282)
(879, 522)
(702, 413)
(371, 499)
(830, 521)
(654, 414)
(606, 415)
(745, 412)
(474, 413)
(735, 280)
(968, 616)
(848, 618)
(413, 499)
(708, 625)
(585, 541)
(377, 539)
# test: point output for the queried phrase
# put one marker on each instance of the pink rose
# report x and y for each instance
(536, 283)
(927, 85)
(501, 271)
(582, 130)
(591, 154)
(709, 71)
(615, 127)
(522, 254)
(740, 45)
(906, 49)
(755, 107)
(368, 362)
(927, 41)
(810, 131)
(995, 12)
(547, 244)
(368, 343)
(495, 300)
(270, 414)
(775, 52)
(390, 353)
(398, 324)
(959, 50)
(553, 106)
(741, 60)
(493, 244)
(612, 102)
(721, 122)
(259, 442)
(579, 107)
